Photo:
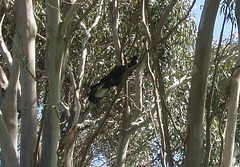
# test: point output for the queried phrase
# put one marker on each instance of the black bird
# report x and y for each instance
(114, 78)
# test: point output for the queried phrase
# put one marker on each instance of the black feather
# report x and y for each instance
(114, 78)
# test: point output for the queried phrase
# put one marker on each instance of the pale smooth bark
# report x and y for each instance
(8, 115)
(124, 137)
(3, 48)
(69, 146)
(51, 127)
(138, 91)
(228, 150)
(70, 139)
(115, 24)
(194, 147)
(236, 153)
(227, 156)
(209, 117)
(127, 120)
(149, 41)
(58, 37)
(9, 124)
(163, 18)
(26, 32)
(7, 148)
(9, 103)
(181, 81)
(3, 82)
(8, 98)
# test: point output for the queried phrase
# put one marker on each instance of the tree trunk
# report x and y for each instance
(194, 148)
(124, 136)
(149, 41)
(227, 156)
(26, 32)
(8, 95)
(138, 91)
(70, 141)
(55, 47)
(228, 150)
(9, 101)
(51, 115)
(8, 106)
(115, 23)
(7, 148)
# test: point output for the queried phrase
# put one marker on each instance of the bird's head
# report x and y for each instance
(133, 61)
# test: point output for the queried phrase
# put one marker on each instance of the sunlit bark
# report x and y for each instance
(53, 71)
(26, 32)
(228, 149)
(194, 147)
(9, 89)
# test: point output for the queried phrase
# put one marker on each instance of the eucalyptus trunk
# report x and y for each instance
(228, 150)
(227, 156)
(8, 103)
(51, 115)
(9, 155)
(26, 32)
(124, 139)
(54, 53)
(8, 97)
(194, 146)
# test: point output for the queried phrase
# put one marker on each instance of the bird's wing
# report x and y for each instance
(101, 91)
(114, 78)
(97, 92)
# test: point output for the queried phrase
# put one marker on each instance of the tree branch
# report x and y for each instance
(136, 125)
(3, 48)
(181, 81)
(3, 81)
(68, 19)
(7, 148)
(172, 29)
(164, 18)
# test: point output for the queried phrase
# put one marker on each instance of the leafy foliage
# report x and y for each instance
(175, 56)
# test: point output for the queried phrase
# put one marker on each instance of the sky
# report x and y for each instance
(198, 10)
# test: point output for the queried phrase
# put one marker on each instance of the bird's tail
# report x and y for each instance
(97, 92)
